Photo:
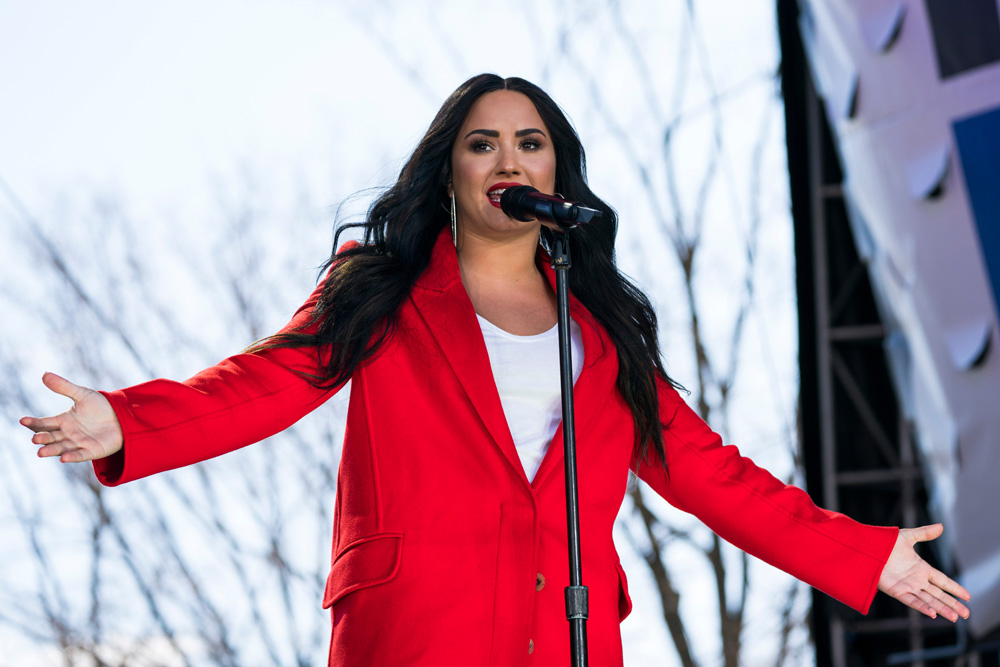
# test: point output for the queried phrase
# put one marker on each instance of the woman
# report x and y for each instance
(449, 533)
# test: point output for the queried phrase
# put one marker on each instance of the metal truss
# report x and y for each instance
(858, 449)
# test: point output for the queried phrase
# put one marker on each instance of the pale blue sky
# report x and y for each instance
(156, 103)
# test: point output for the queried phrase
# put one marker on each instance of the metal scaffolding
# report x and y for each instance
(858, 448)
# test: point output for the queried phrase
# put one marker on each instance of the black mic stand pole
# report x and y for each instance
(577, 607)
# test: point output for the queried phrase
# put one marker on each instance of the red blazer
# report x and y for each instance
(440, 542)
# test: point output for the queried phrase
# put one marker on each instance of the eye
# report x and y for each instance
(531, 144)
(480, 146)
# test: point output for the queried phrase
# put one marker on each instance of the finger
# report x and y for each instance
(914, 602)
(55, 449)
(929, 601)
(925, 533)
(41, 424)
(952, 609)
(77, 455)
(48, 437)
(949, 585)
(62, 386)
(67, 451)
(948, 606)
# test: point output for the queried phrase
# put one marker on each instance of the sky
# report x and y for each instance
(177, 112)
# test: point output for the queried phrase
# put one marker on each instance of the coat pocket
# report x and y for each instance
(366, 562)
(624, 601)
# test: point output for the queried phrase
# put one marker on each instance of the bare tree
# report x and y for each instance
(224, 563)
(682, 206)
(208, 565)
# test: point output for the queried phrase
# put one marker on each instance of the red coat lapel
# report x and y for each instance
(444, 305)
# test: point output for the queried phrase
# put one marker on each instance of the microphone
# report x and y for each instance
(525, 203)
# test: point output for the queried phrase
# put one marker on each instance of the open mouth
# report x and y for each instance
(497, 190)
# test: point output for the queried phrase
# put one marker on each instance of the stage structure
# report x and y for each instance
(893, 115)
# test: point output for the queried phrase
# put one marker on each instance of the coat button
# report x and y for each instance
(539, 582)
(531, 646)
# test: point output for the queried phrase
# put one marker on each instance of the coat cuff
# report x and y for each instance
(110, 470)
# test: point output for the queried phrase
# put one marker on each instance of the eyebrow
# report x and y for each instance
(519, 133)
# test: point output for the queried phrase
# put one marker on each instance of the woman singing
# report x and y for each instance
(449, 538)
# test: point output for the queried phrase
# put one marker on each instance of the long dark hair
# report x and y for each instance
(367, 283)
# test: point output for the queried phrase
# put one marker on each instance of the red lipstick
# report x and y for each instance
(499, 188)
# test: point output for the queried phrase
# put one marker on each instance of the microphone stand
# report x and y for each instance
(577, 607)
(525, 203)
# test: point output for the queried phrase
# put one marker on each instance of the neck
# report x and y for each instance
(511, 259)
(505, 284)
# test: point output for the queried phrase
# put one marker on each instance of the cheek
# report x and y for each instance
(466, 174)
(546, 170)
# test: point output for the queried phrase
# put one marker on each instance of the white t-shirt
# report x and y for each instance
(526, 371)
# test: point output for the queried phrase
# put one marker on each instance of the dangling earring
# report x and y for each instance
(454, 227)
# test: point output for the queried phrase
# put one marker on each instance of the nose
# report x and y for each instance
(507, 161)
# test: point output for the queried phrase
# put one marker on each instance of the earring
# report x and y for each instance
(454, 227)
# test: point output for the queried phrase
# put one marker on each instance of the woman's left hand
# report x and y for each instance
(908, 578)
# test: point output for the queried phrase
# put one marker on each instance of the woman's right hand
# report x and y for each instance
(89, 430)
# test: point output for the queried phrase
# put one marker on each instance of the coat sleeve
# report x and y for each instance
(748, 507)
(237, 402)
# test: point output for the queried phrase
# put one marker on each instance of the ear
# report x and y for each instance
(446, 178)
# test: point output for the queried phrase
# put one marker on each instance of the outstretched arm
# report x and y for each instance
(89, 430)
(161, 424)
(911, 580)
(781, 525)
(749, 508)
